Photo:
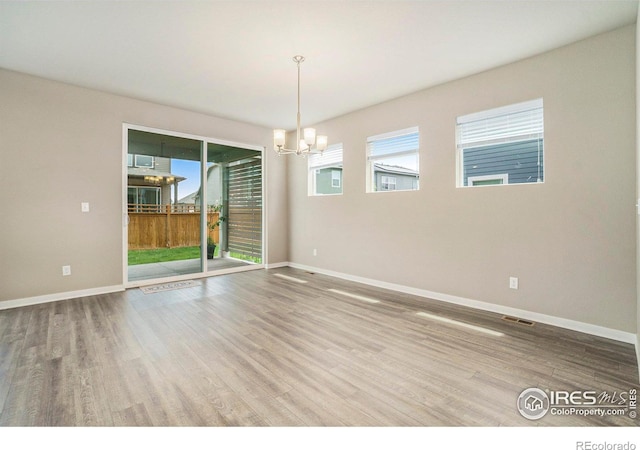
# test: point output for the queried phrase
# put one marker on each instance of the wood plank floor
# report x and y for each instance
(255, 349)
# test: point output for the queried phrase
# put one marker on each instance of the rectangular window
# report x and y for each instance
(335, 178)
(144, 161)
(393, 161)
(129, 160)
(502, 145)
(139, 198)
(325, 171)
(388, 183)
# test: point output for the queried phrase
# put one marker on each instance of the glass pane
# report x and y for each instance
(144, 161)
(149, 196)
(234, 207)
(404, 169)
(164, 216)
(487, 182)
(328, 180)
(522, 161)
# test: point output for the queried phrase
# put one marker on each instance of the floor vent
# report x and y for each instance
(517, 320)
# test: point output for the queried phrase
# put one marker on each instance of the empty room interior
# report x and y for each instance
(341, 214)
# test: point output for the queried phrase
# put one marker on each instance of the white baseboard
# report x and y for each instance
(8, 304)
(192, 276)
(595, 330)
(277, 265)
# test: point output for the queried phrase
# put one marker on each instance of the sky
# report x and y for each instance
(191, 171)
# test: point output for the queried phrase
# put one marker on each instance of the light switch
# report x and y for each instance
(85, 206)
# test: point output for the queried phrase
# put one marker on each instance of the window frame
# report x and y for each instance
(504, 136)
(136, 164)
(143, 207)
(388, 182)
(503, 177)
(334, 178)
(336, 165)
(372, 160)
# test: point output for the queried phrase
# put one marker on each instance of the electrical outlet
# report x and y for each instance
(84, 207)
(513, 282)
(66, 271)
(315, 252)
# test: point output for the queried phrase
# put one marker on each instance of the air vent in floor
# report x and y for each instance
(517, 320)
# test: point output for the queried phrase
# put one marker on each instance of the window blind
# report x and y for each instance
(523, 121)
(403, 141)
(332, 156)
(245, 208)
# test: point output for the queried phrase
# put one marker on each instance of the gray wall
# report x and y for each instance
(61, 145)
(637, 92)
(571, 240)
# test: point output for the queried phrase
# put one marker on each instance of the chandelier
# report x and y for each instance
(309, 142)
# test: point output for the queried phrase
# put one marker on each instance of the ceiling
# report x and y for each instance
(233, 59)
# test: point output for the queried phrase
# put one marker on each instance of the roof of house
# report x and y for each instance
(398, 170)
(141, 172)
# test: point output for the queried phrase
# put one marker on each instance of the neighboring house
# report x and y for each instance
(387, 178)
(508, 163)
(328, 180)
(150, 181)
(394, 178)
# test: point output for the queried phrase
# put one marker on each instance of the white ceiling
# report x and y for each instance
(234, 58)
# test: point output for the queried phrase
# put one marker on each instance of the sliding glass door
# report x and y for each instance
(234, 197)
(193, 206)
(164, 237)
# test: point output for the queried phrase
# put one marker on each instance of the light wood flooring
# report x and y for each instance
(255, 349)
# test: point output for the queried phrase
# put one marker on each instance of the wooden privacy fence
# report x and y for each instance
(167, 226)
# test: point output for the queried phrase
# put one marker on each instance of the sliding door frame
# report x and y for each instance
(204, 141)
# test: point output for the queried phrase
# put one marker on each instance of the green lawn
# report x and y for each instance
(162, 255)
(252, 259)
(176, 254)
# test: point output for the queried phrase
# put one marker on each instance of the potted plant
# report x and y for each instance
(212, 225)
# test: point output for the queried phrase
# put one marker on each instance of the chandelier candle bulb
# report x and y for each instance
(278, 137)
(321, 142)
(310, 136)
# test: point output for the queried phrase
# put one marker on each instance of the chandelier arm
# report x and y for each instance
(279, 134)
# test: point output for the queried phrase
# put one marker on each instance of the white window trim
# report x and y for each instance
(504, 177)
(312, 175)
(370, 183)
(501, 110)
